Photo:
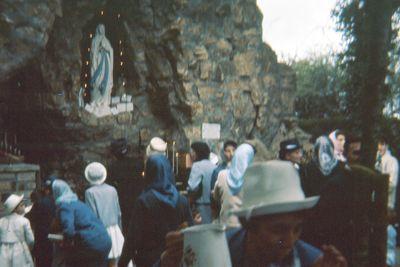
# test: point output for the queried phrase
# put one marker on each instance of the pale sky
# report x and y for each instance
(298, 28)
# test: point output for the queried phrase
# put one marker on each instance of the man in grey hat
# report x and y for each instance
(273, 211)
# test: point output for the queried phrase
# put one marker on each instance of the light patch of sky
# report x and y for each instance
(297, 29)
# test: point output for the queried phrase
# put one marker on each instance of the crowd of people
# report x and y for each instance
(277, 212)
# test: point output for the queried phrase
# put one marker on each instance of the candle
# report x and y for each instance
(177, 164)
(173, 156)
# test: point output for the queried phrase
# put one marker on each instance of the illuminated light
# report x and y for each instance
(123, 83)
(120, 41)
(88, 49)
(119, 15)
(87, 63)
(102, 13)
(142, 174)
(90, 35)
(85, 85)
(85, 75)
(122, 63)
(120, 53)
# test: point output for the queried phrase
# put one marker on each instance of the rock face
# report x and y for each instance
(185, 62)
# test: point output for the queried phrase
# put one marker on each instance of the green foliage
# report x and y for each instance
(366, 27)
(320, 91)
(392, 107)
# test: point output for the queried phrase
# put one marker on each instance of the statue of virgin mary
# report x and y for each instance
(101, 69)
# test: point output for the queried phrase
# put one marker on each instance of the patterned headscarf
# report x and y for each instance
(324, 155)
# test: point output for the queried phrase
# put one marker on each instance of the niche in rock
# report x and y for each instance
(106, 86)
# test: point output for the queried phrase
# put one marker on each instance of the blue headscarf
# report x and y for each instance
(62, 192)
(243, 157)
(160, 180)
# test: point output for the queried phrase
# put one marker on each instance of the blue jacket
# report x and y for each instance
(201, 175)
(81, 225)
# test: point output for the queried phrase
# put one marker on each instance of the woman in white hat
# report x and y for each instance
(273, 211)
(16, 235)
(156, 146)
(103, 200)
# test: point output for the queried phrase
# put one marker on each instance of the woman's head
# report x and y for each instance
(229, 150)
(158, 171)
(157, 146)
(324, 155)
(339, 140)
(62, 192)
(200, 151)
(160, 180)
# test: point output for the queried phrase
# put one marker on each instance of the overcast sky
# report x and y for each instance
(297, 28)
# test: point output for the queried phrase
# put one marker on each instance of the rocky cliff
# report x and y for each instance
(185, 62)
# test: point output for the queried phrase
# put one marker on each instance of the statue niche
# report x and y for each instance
(101, 73)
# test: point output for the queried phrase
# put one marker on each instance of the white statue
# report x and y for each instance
(81, 101)
(101, 70)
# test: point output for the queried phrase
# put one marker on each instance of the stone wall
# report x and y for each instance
(188, 62)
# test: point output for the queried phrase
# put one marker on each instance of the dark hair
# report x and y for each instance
(339, 132)
(201, 149)
(230, 143)
(383, 140)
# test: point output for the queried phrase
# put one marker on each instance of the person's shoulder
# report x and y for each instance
(90, 190)
(196, 165)
(24, 220)
(146, 200)
(111, 188)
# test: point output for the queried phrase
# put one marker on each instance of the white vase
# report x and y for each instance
(205, 246)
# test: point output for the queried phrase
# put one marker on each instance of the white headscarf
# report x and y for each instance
(337, 147)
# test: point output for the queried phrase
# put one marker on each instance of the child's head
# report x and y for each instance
(14, 203)
(20, 209)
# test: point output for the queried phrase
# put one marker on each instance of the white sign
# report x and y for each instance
(211, 131)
